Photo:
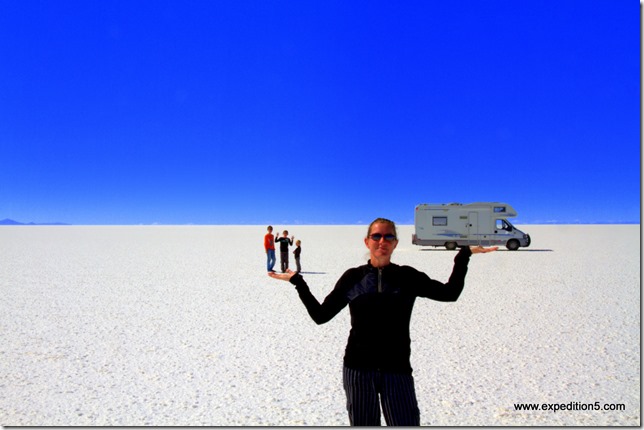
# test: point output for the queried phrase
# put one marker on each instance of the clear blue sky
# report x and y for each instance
(317, 111)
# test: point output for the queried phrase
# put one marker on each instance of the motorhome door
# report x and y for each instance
(473, 228)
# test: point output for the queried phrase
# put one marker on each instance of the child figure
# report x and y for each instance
(284, 242)
(269, 246)
(296, 253)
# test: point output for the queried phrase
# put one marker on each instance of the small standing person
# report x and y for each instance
(269, 246)
(284, 242)
(296, 254)
(380, 296)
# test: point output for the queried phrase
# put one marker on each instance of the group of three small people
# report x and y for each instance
(285, 242)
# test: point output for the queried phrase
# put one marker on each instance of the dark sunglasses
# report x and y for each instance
(377, 236)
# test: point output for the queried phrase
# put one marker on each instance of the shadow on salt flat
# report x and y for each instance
(499, 250)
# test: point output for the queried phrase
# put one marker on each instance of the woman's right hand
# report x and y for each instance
(282, 276)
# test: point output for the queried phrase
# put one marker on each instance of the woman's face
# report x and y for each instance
(381, 249)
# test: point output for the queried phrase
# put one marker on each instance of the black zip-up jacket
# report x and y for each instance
(381, 302)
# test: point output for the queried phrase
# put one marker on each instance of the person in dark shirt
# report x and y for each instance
(296, 254)
(381, 296)
(284, 242)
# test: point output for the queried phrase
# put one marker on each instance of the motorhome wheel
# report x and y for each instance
(451, 246)
(512, 244)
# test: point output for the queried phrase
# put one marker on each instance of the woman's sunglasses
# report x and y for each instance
(377, 236)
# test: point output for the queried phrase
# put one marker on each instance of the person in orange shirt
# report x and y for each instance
(269, 246)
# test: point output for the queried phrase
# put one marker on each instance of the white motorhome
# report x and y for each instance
(455, 224)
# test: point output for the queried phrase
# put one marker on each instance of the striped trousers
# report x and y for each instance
(367, 389)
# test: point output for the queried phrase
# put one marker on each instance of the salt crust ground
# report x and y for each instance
(180, 326)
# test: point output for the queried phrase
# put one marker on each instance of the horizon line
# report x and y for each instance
(60, 224)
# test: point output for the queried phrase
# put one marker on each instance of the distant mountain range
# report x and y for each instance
(8, 221)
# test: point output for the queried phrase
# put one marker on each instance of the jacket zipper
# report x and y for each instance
(379, 291)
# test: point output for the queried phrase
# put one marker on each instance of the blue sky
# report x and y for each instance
(317, 112)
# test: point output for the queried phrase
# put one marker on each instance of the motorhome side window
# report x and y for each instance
(499, 209)
(502, 225)
(439, 220)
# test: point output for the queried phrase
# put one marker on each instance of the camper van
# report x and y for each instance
(455, 224)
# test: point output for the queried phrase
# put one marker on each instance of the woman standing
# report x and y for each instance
(381, 297)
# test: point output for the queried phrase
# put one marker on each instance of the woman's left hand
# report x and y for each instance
(480, 250)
